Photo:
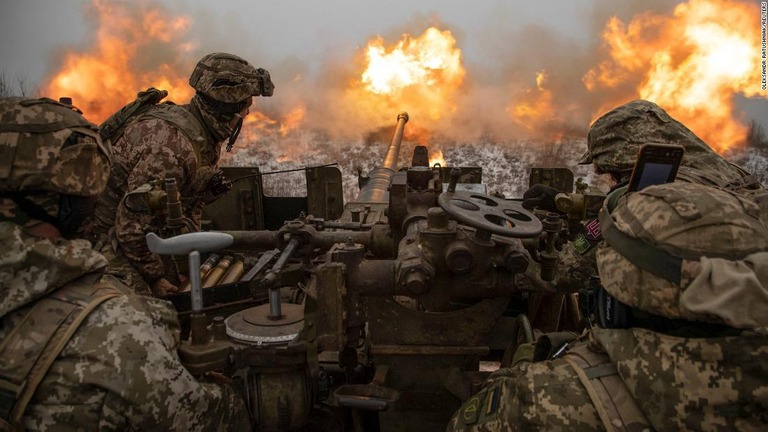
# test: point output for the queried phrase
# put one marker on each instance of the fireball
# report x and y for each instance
(692, 64)
(420, 75)
(121, 61)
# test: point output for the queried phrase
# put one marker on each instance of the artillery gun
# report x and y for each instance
(373, 316)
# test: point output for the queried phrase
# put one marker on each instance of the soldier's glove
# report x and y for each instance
(540, 196)
(217, 186)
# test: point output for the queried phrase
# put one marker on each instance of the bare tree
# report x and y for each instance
(5, 89)
(8, 89)
(756, 137)
(21, 83)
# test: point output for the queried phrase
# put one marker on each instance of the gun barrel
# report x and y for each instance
(376, 189)
(390, 161)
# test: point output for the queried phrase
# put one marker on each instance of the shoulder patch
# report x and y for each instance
(592, 230)
(492, 402)
(581, 244)
(471, 410)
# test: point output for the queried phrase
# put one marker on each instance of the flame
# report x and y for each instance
(119, 63)
(429, 60)
(436, 157)
(292, 120)
(692, 64)
(420, 75)
(535, 106)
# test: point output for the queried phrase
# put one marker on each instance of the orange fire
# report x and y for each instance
(420, 75)
(138, 45)
(292, 120)
(120, 62)
(436, 157)
(535, 106)
(692, 64)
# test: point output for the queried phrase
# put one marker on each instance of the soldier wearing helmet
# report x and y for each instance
(78, 349)
(679, 317)
(615, 139)
(167, 141)
(613, 143)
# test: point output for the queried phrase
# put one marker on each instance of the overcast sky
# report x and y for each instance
(31, 31)
(293, 37)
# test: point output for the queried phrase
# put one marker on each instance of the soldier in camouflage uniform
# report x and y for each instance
(685, 268)
(78, 349)
(172, 141)
(613, 143)
(615, 139)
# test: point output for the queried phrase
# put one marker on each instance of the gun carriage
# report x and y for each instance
(374, 315)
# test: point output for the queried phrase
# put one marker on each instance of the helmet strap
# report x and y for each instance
(235, 132)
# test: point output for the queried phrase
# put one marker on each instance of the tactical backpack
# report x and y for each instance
(112, 128)
(147, 105)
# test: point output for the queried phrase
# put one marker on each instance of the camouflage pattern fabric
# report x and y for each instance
(229, 79)
(614, 141)
(680, 383)
(75, 161)
(219, 124)
(707, 384)
(615, 138)
(702, 384)
(120, 370)
(121, 268)
(150, 148)
(574, 267)
(718, 241)
(531, 396)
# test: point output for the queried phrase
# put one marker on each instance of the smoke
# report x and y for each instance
(526, 78)
(501, 78)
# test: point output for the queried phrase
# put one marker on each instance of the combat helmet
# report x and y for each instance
(228, 79)
(687, 251)
(50, 156)
(615, 138)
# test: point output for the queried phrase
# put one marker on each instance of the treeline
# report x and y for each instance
(757, 138)
(19, 86)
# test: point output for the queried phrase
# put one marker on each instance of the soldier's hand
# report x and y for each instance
(540, 196)
(162, 287)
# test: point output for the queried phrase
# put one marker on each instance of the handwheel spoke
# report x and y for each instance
(497, 216)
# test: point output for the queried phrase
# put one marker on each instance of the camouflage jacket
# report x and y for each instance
(120, 370)
(153, 148)
(679, 384)
(574, 268)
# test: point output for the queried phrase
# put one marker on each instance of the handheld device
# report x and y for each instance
(656, 164)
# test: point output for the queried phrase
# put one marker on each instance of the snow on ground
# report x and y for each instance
(505, 165)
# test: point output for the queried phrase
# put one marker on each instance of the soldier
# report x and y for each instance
(613, 144)
(615, 139)
(78, 349)
(684, 272)
(171, 141)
